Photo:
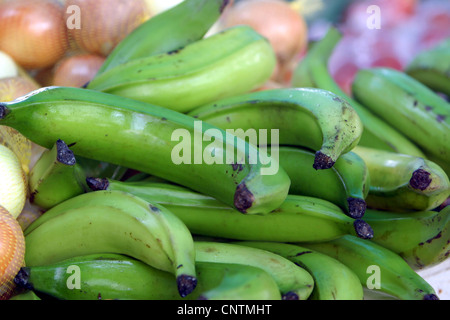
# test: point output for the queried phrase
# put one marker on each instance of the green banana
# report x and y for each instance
(147, 138)
(294, 282)
(420, 238)
(298, 218)
(119, 277)
(170, 30)
(414, 109)
(26, 295)
(346, 184)
(306, 117)
(56, 177)
(378, 268)
(312, 71)
(432, 67)
(400, 182)
(115, 222)
(228, 63)
(332, 279)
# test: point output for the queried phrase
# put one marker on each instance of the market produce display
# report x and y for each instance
(223, 150)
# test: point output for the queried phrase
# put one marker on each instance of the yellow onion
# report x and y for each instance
(15, 87)
(12, 252)
(104, 23)
(284, 27)
(77, 70)
(33, 32)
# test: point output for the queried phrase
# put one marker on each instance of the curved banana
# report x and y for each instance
(106, 276)
(13, 183)
(346, 184)
(294, 282)
(378, 268)
(420, 237)
(147, 138)
(431, 67)
(167, 31)
(56, 177)
(408, 105)
(114, 222)
(298, 218)
(228, 63)
(332, 279)
(306, 117)
(400, 182)
(312, 71)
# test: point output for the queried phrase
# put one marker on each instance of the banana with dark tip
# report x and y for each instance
(400, 182)
(378, 268)
(432, 67)
(346, 184)
(312, 71)
(299, 218)
(170, 30)
(306, 117)
(408, 105)
(56, 177)
(151, 139)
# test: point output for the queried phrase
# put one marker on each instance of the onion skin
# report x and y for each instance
(104, 23)
(12, 252)
(284, 27)
(77, 70)
(33, 33)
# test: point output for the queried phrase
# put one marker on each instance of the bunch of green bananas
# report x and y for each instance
(336, 201)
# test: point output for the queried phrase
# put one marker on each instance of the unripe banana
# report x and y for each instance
(431, 67)
(400, 182)
(312, 71)
(299, 218)
(332, 279)
(56, 177)
(306, 117)
(293, 281)
(378, 268)
(346, 184)
(146, 138)
(187, 22)
(408, 105)
(231, 62)
(421, 238)
(13, 183)
(114, 222)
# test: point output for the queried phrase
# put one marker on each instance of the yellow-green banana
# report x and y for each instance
(421, 238)
(115, 222)
(306, 117)
(312, 71)
(151, 139)
(408, 105)
(56, 177)
(400, 182)
(432, 67)
(187, 22)
(346, 184)
(294, 282)
(332, 279)
(378, 268)
(108, 276)
(298, 218)
(231, 62)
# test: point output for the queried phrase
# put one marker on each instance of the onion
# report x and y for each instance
(15, 87)
(8, 67)
(77, 70)
(104, 23)
(284, 27)
(12, 252)
(33, 33)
